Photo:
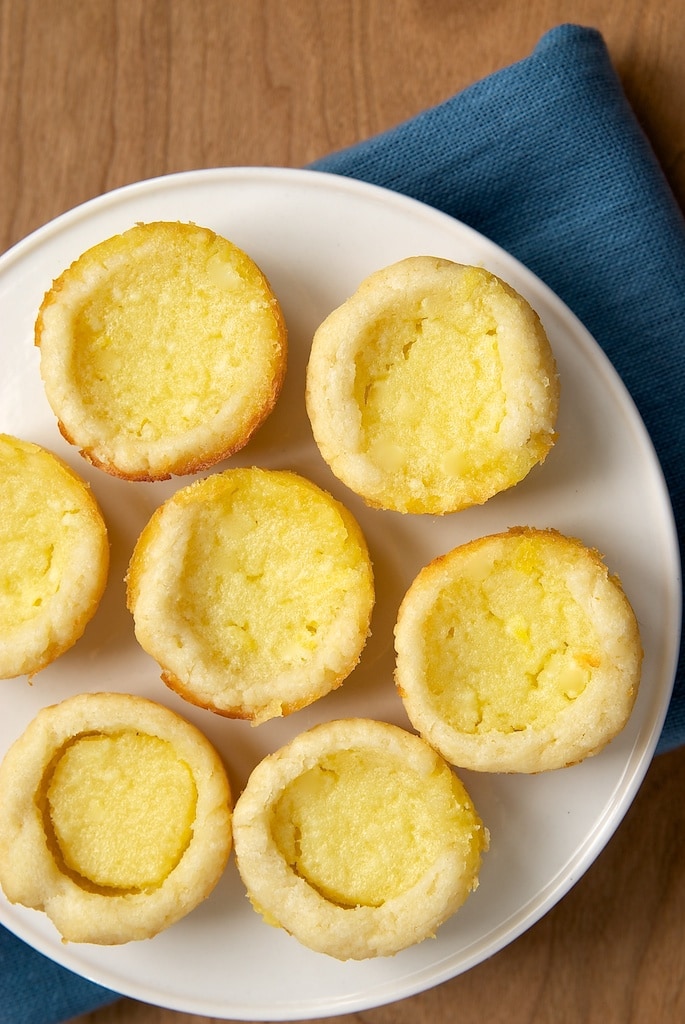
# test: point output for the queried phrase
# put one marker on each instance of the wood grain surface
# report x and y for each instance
(98, 93)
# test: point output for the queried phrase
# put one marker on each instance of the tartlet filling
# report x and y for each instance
(118, 810)
(361, 829)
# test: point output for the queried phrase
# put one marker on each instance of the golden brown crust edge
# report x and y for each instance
(528, 751)
(278, 701)
(207, 459)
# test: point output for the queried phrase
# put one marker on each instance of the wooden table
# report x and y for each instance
(98, 93)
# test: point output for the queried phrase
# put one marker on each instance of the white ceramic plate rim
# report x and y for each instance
(357, 206)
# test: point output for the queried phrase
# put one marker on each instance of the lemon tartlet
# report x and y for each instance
(162, 350)
(253, 590)
(358, 839)
(432, 388)
(54, 557)
(115, 817)
(518, 652)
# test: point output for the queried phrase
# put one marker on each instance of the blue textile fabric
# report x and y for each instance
(35, 990)
(547, 159)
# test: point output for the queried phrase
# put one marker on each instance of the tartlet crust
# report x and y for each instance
(31, 874)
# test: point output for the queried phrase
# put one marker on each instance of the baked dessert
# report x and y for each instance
(115, 817)
(162, 350)
(54, 557)
(253, 590)
(518, 652)
(358, 839)
(432, 388)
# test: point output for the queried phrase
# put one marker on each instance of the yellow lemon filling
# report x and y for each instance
(444, 350)
(444, 347)
(511, 646)
(44, 509)
(136, 360)
(432, 387)
(362, 829)
(268, 565)
(119, 810)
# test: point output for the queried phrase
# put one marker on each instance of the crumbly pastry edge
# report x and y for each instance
(151, 573)
(288, 901)
(595, 718)
(336, 419)
(29, 874)
(200, 448)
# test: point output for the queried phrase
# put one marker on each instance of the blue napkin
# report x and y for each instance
(546, 158)
(35, 990)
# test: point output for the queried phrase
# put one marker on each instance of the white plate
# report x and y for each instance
(316, 236)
